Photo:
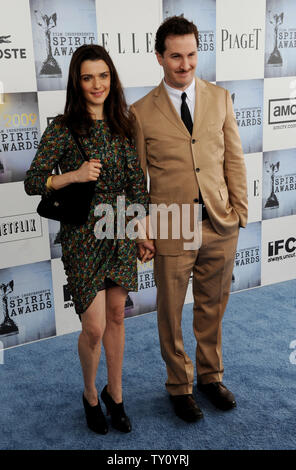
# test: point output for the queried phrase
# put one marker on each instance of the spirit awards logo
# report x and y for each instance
(30, 302)
(284, 38)
(247, 100)
(8, 326)
(248, 40)
(11, 52)
(275, 57)
(50, 67)
(246, 269)
(279, 250)
(247, 116)
(146, 280)
(279, 182)
(19, 127)
(14, 139)
(246, 256)
(19, 135)
(272, 201)
(206, 41)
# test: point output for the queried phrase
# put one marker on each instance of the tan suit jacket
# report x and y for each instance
(179, 164)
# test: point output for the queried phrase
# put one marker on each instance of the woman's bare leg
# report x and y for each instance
(89, 344)
(113, 340)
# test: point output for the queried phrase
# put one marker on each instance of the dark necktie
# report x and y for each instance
(185, 113)
(186, 118)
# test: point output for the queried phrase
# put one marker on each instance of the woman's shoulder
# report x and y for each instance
(57, 126)
(128, 143)
(58, 122)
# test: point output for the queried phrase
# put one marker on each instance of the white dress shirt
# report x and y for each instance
(175, 97)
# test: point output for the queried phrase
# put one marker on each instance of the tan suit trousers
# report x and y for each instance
(212, 267)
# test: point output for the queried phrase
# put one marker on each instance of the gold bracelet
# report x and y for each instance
(49, 183)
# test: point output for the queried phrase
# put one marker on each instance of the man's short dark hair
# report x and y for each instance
(174, 26)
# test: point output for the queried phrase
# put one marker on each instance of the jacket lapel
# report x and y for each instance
(201, 101)
(166, 107)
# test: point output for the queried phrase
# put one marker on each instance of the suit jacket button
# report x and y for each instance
(197, 170)
(195, 200)
(193, 141)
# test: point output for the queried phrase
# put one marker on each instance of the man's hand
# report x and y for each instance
(146, 250)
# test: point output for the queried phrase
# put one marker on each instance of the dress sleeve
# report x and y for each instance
(50, 151)
(136, 188)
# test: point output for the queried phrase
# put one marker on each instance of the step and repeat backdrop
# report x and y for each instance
(247, 47)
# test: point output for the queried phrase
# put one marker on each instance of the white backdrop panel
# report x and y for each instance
(67, 320)
(279, 129)
(127, 30)
(17, 71)
(23, 233)
(240, 39)
(278, 250)
(51, 103)
(254, 176)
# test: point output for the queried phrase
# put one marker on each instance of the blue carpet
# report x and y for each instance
(41, 385)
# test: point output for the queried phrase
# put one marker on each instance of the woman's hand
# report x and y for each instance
(146, 250)
(89, 171)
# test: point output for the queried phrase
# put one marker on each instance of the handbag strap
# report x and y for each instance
(80, 148)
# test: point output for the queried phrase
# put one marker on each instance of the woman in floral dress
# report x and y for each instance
(100, 272)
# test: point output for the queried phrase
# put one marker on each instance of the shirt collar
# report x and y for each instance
(190, 90)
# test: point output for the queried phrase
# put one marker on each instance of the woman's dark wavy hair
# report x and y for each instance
(174, 26)
(76, 115)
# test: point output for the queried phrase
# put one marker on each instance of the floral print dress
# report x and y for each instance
(88, 260)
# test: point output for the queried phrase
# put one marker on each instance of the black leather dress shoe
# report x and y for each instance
(219, 395)
(186, 407)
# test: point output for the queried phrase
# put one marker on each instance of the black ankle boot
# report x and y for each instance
(119, 420)
(95, 418)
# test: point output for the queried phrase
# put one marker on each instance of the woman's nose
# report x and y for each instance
(97, 82)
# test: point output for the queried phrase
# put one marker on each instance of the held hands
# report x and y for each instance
(146, 250)
(89, 171)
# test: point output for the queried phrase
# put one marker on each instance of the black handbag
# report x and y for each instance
(71, 204)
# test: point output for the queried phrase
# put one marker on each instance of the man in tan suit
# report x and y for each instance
(190, 145)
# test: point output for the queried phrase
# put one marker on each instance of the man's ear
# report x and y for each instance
(159, 57)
